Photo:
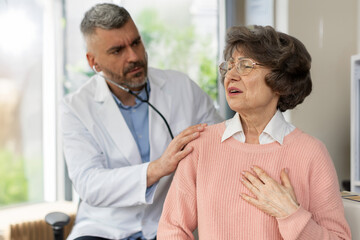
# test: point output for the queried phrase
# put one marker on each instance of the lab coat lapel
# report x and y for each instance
(159, 136)
(115, 124)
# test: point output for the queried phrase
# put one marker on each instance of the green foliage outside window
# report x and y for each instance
(13, 183)
(179, 49)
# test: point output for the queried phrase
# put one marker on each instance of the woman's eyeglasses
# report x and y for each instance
(243, 66)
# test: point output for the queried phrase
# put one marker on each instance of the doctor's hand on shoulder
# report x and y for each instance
(174, 153)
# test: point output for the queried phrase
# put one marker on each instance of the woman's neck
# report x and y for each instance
(254, 123)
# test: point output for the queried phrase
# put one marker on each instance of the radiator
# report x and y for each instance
(36, 230)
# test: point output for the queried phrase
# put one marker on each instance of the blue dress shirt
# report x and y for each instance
(137, 120)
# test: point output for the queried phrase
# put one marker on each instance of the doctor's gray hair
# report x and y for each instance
(106, 16)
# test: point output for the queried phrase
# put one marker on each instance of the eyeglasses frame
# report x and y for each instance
(237, 69)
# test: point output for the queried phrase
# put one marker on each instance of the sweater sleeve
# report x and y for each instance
(325, 218)
(179, 216)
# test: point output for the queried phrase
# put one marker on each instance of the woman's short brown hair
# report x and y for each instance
(285, 55)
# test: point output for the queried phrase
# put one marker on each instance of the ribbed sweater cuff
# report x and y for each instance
(291, 226)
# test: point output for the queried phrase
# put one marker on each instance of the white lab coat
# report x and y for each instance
(104, 162)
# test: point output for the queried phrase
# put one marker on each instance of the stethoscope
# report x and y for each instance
(135, 95)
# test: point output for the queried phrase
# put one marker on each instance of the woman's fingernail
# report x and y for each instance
(286, 170)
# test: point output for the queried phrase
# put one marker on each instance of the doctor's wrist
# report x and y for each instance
(153, 173)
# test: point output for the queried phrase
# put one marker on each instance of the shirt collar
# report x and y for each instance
(277, 128)
(233, 126)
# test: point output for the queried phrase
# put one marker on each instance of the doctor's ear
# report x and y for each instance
(92, 63)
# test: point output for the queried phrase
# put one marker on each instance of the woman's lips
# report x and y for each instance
(233, 91)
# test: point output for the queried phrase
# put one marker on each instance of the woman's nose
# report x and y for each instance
(232, 74)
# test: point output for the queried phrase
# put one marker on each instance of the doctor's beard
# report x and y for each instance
(136, 81)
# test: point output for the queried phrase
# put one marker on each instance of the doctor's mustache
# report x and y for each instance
(134, 65)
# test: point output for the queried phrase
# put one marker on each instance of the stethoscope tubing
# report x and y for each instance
(142, 100)
(155, 109)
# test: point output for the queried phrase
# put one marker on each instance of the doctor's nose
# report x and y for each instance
(132, 55)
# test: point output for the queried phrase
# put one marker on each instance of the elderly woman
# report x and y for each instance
(256, 176)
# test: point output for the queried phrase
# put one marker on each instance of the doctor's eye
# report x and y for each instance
(117, 51)
(136, 42)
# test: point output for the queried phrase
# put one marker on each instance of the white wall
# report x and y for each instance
(328, 28)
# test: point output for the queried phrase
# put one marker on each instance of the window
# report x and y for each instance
(21, 145)
(40, 62)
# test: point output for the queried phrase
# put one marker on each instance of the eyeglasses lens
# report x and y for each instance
(223, 68)
(244, 66)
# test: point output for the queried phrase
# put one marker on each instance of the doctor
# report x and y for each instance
(118, 150)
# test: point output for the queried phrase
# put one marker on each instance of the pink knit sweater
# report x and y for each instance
(206, 187)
